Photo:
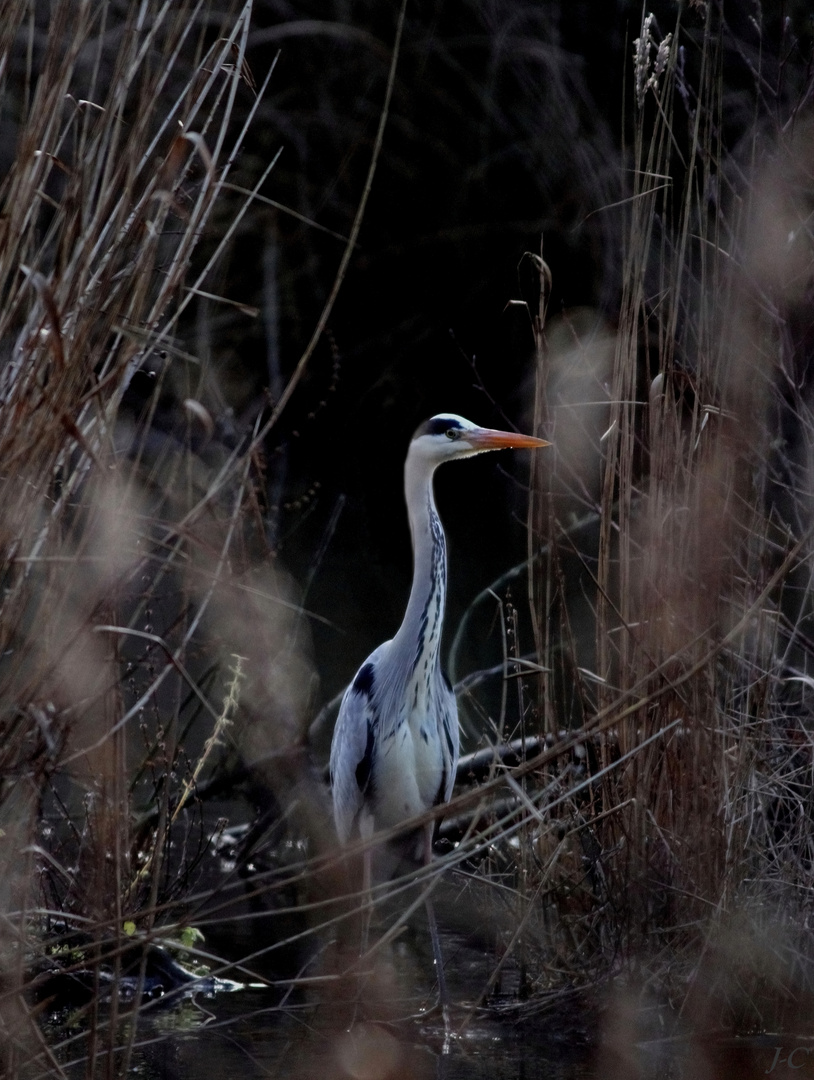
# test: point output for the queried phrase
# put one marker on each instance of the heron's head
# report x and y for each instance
(447, 436)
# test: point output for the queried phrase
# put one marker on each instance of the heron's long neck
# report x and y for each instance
(419, 636)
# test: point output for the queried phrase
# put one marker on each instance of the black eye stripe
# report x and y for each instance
(439, 425)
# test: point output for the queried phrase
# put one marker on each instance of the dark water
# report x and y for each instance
(385, 1027)
(244, 1035)
(383, 1024)
(386, 1024)
(393, 1032)
(312, 1019)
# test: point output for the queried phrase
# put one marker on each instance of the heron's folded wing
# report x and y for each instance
(352, 758)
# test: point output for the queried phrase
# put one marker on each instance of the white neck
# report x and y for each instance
(419, 636)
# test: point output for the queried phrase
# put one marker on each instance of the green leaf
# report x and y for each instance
(191, 936)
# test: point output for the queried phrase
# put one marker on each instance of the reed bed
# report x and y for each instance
(126, 493)
(688, 675)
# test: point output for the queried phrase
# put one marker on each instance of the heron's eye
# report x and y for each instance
(453, 433)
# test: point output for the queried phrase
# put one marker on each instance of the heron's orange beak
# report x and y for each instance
(488, 439)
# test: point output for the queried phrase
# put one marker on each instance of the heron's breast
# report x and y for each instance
(409, 770)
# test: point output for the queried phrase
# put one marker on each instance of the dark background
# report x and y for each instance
(509, 131)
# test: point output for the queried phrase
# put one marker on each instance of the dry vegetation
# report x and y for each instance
(696, 831)
(151, 652)
(131, 543)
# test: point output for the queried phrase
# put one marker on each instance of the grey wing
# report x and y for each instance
(449, 736)
(352, 750)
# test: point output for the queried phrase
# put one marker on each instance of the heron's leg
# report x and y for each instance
(367, 902)
(436, 941)
(366, 831)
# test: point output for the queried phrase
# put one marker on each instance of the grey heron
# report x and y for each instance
(395, 745)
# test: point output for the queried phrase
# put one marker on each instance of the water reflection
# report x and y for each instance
(242, 1036)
